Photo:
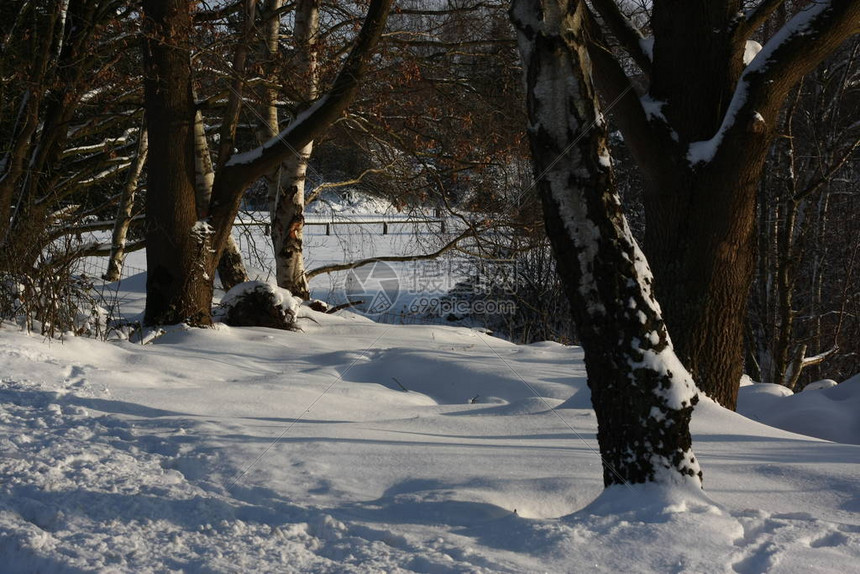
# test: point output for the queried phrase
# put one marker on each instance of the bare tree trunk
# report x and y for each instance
(287, 184)
(178, 285)
(288, 225)
(704, 269)
(231, 269)
(642, 394)
(124, 211)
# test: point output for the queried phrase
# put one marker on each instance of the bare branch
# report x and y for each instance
(346, 266)
(314, 195)
(234, 105)
(103, 249)
(248, 166)
(623, 29)
(241, 170)
(615, 88)
(817, 183)
(820, 357)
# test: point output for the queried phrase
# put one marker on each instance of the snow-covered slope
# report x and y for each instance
(823, 409)
(353, 446)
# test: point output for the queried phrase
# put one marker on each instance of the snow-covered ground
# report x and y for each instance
(357, 446)
(354, 446)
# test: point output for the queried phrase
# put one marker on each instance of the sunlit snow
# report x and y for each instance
(356, 446)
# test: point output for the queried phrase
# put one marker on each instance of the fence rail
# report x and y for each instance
(330, 223)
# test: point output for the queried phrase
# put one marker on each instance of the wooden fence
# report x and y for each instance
(330, 223)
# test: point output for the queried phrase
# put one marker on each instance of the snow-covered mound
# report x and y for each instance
(353, 446)
(259, 304)
(824, 409)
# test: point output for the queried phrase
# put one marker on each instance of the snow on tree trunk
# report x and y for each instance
(642, 394)
(701, 136)
(124, 211)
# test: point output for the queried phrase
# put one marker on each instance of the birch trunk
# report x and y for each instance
(231, 269)
(287, 185)
(126, 205)
(642, 394)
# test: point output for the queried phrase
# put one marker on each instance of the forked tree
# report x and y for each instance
(700, 135)
(700, 131)
(184, 247)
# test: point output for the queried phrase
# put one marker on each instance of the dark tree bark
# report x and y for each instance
(178, 284)
(642, 394)
(701, 137)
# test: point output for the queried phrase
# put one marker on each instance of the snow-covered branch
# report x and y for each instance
(805, 40)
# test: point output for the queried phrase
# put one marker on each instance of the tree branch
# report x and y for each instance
(234, 102)
(622, 101)
(308, 125)
(241, 170)
(314, 195)
(802, 44)
(346, 266)
(816, 184)
(623, 29)
(104, 249)
(757, 16)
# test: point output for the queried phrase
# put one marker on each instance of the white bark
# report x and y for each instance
(287, 186)
(124, 212)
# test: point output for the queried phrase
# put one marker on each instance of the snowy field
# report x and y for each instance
(356, 446)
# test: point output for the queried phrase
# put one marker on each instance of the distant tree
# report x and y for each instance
(125, 210)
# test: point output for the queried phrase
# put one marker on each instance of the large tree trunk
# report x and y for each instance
(701, 137)
(642, 394)
(178, 287)
(699, 235)
(704, 268)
